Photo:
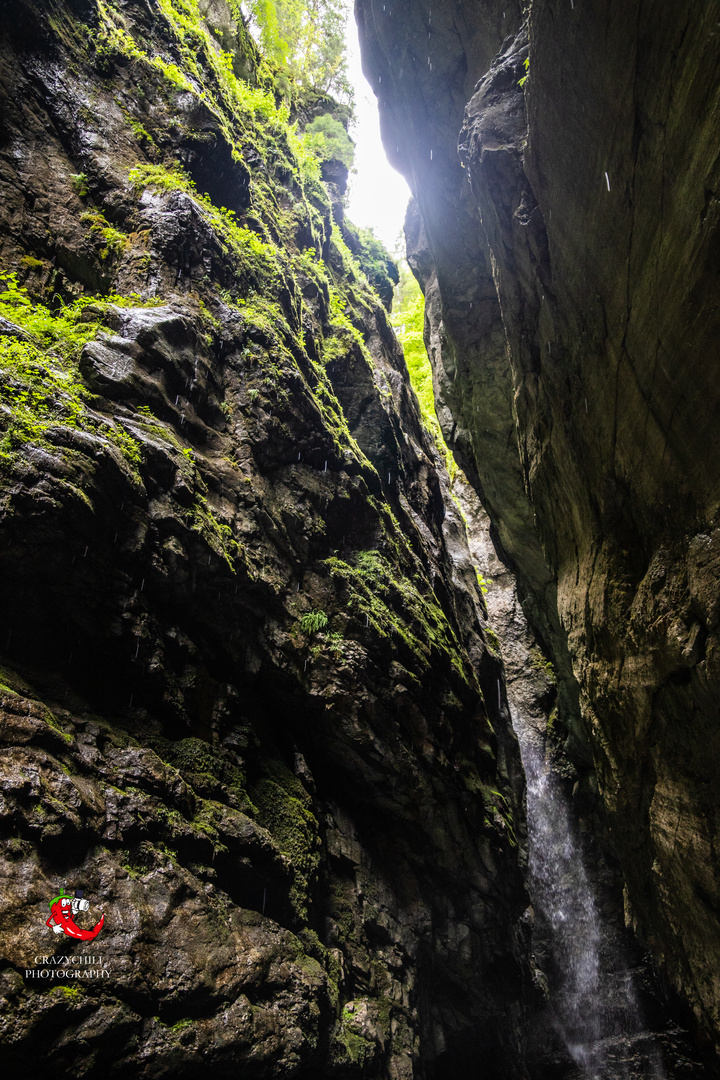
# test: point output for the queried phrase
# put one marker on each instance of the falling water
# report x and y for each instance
(562, 894)
(595, 1009)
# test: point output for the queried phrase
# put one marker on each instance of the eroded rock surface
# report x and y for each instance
(247, 701)
(585, 396)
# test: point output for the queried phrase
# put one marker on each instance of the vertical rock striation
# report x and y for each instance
(585, 396)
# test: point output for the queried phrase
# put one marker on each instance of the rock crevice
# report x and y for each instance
(591, 177)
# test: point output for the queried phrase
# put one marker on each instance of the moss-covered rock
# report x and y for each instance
(207, 442)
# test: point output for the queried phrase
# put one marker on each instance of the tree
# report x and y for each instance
(306, 40)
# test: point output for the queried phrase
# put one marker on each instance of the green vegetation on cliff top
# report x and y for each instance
(305, 39)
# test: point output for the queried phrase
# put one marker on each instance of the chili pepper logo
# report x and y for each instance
(63, 910)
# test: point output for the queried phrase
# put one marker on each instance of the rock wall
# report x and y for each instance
(568, 255)
(246, 700)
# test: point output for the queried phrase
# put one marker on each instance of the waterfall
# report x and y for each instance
(592, 1027)
(594, 1005)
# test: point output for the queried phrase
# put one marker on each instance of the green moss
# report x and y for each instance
(358, 1050)
(341, 911)
(496, 805)
(261, 261)
(40, 382)
(261, 247)
(114, 242)
(244, 112)
(181, 1025)
(216, 534)
(53, 722)
(284, 809)
(142, 135)
(552, 725)
(284, 356)
(79, 184)
(350, 1047)
(203, 766)
(343, 335)
(540, 663)
(392, 605)
(71, 994)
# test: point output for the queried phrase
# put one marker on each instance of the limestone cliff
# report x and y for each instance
(568, 254)
(246, 699)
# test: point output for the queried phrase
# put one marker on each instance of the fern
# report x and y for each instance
(314, 621)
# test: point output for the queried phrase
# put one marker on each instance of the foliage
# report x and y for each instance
(40, 384)
(216, 534)
(313, 621)
(306, 40)
(394, 605)
(79, 184)
(113, 241)
(306, 156)
(526, 65)
(329, 140)
(541, 664)
(376, 263)
(208, 73)
(257, 258)
(57, 329)
(408, 320)
(344, 336)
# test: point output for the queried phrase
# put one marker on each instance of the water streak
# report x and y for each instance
(594, 1003)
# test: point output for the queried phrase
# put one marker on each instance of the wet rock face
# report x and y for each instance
(595, 184)
(246, 701)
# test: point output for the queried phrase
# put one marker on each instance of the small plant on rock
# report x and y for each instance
(313, 621)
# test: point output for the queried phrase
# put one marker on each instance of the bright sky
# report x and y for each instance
(377, 196)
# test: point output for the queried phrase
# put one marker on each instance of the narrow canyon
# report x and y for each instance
(331, 748)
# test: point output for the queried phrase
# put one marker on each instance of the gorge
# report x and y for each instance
(255, 701)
